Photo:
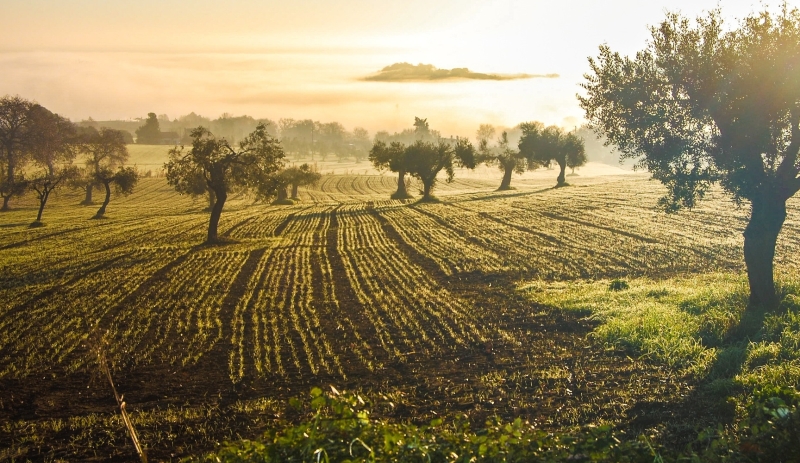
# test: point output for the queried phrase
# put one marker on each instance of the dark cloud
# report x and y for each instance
(400, 72)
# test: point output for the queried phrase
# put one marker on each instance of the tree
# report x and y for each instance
(150, 132)
(52, 146)
(15, 130)
(124, 179)
(542, 145)
(225, 168)
(576, 157)
(46, 182)
(360, 143)
(105, 150)
(300, 176)
(425, 160)
(392, 157)
(389, 151)
(700, 105)
(501, 155)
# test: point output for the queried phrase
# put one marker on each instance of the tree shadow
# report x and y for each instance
(707, 405)
(14, 225)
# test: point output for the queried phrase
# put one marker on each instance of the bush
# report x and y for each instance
(618, 285)
(341, 430)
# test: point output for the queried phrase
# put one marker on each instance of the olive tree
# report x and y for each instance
(500, 154)
(250, 166)
(424, 160)
(296, 177)
(704, 104)
(542, 145)
(15, 130)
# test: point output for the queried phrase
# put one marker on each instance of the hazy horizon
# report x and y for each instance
(309, 59)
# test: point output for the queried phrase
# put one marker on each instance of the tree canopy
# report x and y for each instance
(15, 137)
(424, 160)
(248, 167)
(150, 132)
(703, 104)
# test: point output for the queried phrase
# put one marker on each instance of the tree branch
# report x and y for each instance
(788, 169)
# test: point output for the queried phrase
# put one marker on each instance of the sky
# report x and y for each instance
(307, 59)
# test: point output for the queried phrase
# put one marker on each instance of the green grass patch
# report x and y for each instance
(699, 326)
(680, 322)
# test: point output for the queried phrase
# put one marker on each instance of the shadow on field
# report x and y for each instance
(707, 406)
(13, 225)
(495, 195)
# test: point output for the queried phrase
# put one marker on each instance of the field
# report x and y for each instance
(420, 303)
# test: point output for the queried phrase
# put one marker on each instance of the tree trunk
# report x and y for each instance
(102, 210)
(88, 199)
(5, 203)
(282, 194)
(42, 201)
(506, 183)
(427, 186)
(212, 198)
(562, 177)
(216, 212)
(768, 212)
(401, 192)
(294, 190)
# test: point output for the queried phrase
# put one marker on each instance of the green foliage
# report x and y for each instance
(618, 285)
(701, 104)
(341, 429)
(768, 429)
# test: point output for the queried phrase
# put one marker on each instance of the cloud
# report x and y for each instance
(401, 72)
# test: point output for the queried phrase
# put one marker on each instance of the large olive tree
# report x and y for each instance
(703, 103)
(225, 168)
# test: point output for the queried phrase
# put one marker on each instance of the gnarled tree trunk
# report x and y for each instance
(216, 212)
(508, 170)
(217, 185)
(401, 192)
(102, 210)
(562, 177)
(294, 190)
(768, 212)
(212, 199)
(427, 186)
(42, 201)
(88, 199)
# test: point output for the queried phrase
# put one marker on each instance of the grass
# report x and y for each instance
(700, 327)
(680, 322)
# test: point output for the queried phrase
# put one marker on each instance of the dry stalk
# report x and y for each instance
(101, 357)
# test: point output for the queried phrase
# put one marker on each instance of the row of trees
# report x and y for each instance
(39, 149)
(422, 153)
(311, 139)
